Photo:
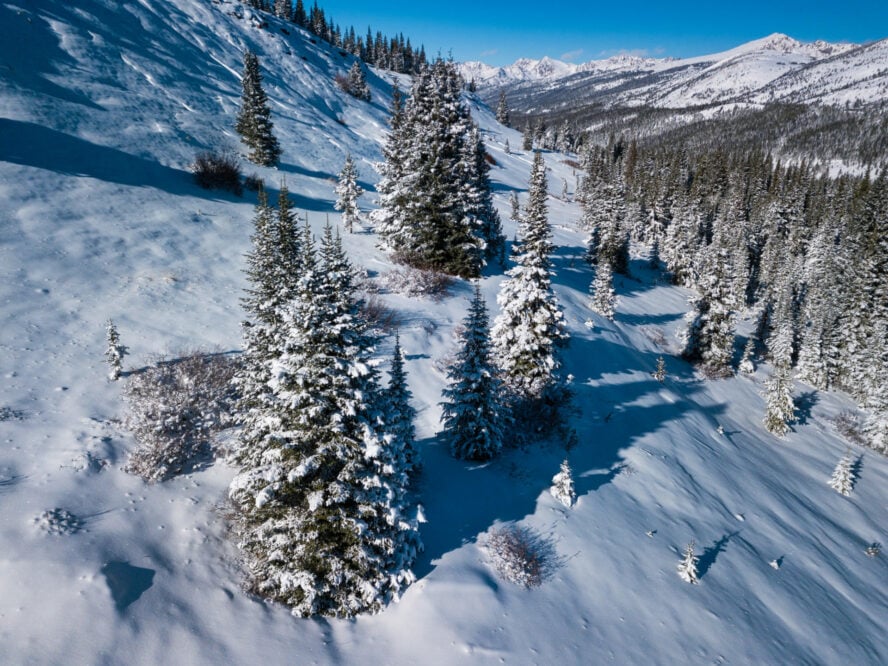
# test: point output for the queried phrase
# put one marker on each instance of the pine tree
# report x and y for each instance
(473, 411)
(563, 486)
(530, 326)
(320, 506)
(780, 408)
(114, 353)
(842, 480)
(506, 148)
(687, 568)
(399, 413)
(254, 118)
(604, 299)
(348, 191)
(502, 110)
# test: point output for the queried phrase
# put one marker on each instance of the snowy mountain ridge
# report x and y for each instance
(764, 70)
(103, 105)
(526, 69)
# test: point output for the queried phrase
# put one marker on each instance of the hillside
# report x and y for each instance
(102, 106)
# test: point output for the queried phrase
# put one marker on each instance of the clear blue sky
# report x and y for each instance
(499, 32)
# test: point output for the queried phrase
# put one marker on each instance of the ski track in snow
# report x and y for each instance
(102, 107)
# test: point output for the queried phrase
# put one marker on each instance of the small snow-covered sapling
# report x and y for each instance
(843, 478)
(114, 353)
(563, 486)
(660, 373)
(687, 568)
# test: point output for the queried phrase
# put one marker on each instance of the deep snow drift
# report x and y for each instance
(102, 106)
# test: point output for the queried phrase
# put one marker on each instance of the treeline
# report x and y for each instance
(392, 53)
(807, 254)
(791, 131)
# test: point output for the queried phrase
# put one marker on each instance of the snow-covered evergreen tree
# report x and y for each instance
(747, 365)
(842, 480)
(399, 412)
(114, 352)
(254, 117)
(435, 208)
(502, 110)
(660, 373)
(687, 568)
(780, 407)
(604, 299)
(563, 486)
(530, 327)
(320, 506)
(356, 82)
(347, 192)
(604, 214)
(709, 337)
(473, 411)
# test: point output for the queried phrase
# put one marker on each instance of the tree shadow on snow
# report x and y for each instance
(805, 403)
(710, 554)
(464, 499)
(32, 145)
(126, 582)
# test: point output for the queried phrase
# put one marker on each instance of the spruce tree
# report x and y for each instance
(320, 507)
(473, 411)
(709, 338)
(780, 408)
(530, 327)
(842, 480)
(604, 299)
(348, 191)
(254, 118)
(747, 365)
(399, 412)
(356, 82)
(502, 110)
(114, 352)
(435, 206)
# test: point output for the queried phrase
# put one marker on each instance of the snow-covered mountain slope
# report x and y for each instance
(773, 68)
(102, 105)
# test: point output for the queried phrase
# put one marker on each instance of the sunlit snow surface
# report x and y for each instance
(102, 106)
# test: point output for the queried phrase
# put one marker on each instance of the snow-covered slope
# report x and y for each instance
(102, 105)
(768, 69)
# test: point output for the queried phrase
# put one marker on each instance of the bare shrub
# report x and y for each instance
(849, 426)
(58, 521)
(254, 182)
(174, 407)
(521, 555)
(10, 414)
(342, 83)
(378, 314)
(217, 171)
(411, 281)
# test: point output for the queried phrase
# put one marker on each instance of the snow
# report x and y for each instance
(99, 219)
(773, 68)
